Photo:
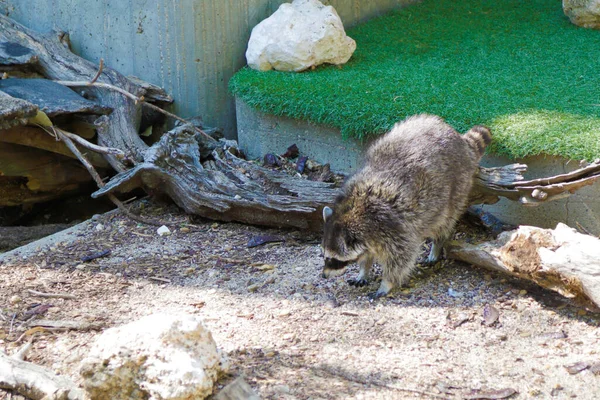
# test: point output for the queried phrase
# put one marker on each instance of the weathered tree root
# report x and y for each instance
(558, 259)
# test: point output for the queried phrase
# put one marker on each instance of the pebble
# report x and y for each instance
(254, 288)
(282, 389)
(163, 231)
(265, 267)
(454, 293)
(184, 230)
(15, 300)
(99, 228)
(284, 313)
(80, 266)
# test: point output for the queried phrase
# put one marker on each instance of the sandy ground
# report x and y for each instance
(295, 335)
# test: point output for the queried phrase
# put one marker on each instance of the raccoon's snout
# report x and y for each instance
(332, 263)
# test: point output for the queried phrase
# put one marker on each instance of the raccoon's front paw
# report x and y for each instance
(376, 295)
(385, 287)
(358, 282)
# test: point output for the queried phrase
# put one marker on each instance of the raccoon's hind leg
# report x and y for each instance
(362, 279)
(437, 245)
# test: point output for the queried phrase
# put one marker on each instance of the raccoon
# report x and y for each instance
(414, 185)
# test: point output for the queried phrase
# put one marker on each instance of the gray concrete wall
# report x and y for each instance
(261, 133)
(189, 47)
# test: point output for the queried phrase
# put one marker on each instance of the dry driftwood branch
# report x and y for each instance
(559, 259)
(507, 181)
(227, 188)
(36, 382)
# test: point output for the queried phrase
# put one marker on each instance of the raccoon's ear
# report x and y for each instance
(327, 212)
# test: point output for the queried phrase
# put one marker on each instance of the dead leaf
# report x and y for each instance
(577, 367)
(39, 309)
(263, 239)
(93, 256)
(554, 335)
(490, 315)
(292, 152)
(265, 267)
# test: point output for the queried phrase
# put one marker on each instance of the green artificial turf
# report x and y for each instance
(519, 67)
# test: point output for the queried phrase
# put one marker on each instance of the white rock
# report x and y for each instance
(163, 231)
(585, 13)
(297, 36)
(157, 357)
(99, 227)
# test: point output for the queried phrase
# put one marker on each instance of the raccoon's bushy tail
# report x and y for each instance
(478, 138)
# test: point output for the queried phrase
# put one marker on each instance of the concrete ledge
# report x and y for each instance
(260, 133)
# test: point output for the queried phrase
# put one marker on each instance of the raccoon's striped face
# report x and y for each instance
(339, 247)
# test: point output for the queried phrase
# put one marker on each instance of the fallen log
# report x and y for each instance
(53, 99)
(29, 175)
(36, 382)
(559, 259)
(14, 111)
(55, 61)
(35, 137)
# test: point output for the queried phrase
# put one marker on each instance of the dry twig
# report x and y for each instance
(51, 295)
(100, 68)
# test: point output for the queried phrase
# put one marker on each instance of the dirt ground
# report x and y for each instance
(294, 335)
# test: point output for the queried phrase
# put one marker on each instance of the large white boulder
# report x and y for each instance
(297, 36)
(585, 13)
(157, 357)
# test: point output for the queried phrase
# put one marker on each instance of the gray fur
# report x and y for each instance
(414, 185)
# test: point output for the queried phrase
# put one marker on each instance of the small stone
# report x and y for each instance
(454, 293)
(15, 300)
(522, 292)
(581, 313)
(285, 389)
(265, 267)
(312, 165)
(163, 231)
(254, 288)
(99, 228)
(288, 336)
(270, 353)
(80, 267)
(270, 280)
(284, 313)
(184, 230)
